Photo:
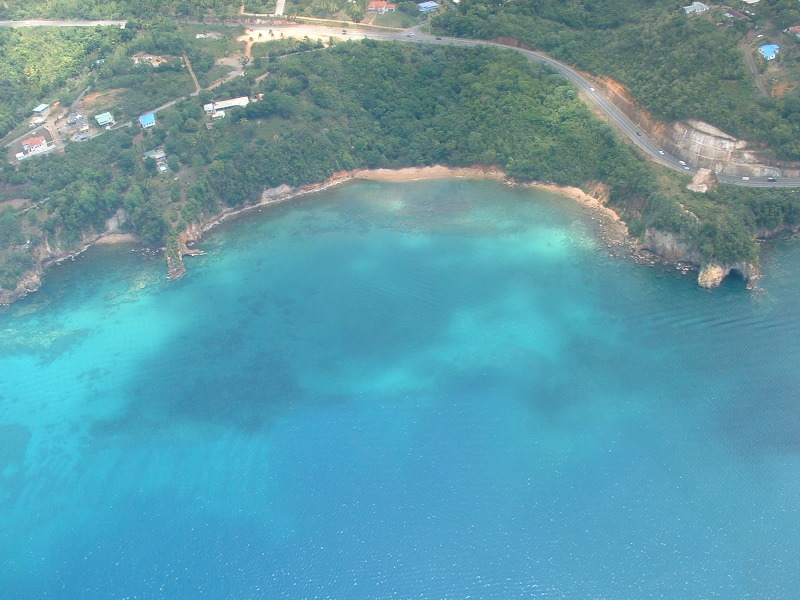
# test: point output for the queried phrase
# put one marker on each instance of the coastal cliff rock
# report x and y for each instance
(47, 254)
(712, 274)
(671, 248)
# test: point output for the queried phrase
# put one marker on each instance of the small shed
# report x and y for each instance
(41, 110)
(147, 121)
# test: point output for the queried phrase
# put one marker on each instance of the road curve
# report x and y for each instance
(614, 115)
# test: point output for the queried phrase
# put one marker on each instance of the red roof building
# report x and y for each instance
(379, 7)
(34, 145)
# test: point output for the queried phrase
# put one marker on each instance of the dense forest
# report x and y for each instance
(678, 66)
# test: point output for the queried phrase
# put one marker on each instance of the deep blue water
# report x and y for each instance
(414, 391)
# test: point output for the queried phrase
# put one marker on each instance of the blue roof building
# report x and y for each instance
(769, 51)
(148, 120)
(428, 6)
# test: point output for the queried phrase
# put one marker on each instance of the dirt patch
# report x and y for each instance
(781, 88)
(140, 58)
(702, 181)
(96, 101)
(14, 203)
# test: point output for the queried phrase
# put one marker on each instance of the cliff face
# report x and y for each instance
(669, 246)
(698, 143)
(672, 248)
(47, 254)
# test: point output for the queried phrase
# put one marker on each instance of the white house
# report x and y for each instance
(695, 7)
(213, 107)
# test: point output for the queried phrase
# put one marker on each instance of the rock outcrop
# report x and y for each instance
(672, 249)
(712, 274)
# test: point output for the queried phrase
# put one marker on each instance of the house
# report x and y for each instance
(34, 145)
(147, 121)
(426, 7)
(751, 1)
(695, 7)
(105, 120)
(159, 156)
(379, 7)
(41, 110)
(220, 114)
(769, 51)
(213, 107)
(795, 29)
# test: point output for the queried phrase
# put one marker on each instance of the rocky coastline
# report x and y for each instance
(656, 248)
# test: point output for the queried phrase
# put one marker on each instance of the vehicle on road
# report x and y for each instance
(745, 179)
(772, 179)
(681, 163)
(661, 152)
(685, 168)
(591, 89)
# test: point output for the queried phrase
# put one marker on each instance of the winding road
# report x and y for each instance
(613, 114)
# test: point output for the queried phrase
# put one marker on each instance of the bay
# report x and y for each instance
(440, 389)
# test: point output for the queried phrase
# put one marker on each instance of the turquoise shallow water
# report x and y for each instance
(427, 390)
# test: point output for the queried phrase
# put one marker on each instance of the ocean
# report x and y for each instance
(427, 390)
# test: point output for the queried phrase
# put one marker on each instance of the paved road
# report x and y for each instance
(614, 115)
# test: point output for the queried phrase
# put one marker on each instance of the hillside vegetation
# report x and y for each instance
(678, 66)
(355, 105)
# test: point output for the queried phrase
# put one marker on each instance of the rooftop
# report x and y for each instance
(769, 51)
(105, 118)
(147, 120)
(34, 141)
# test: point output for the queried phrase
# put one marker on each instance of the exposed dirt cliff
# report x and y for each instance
(696, 142)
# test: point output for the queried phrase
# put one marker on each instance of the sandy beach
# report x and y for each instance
(434, 172)
(614, 232)
(119, 238)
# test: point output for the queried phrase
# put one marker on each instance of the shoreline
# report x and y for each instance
(612, 230)
(32, 280)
